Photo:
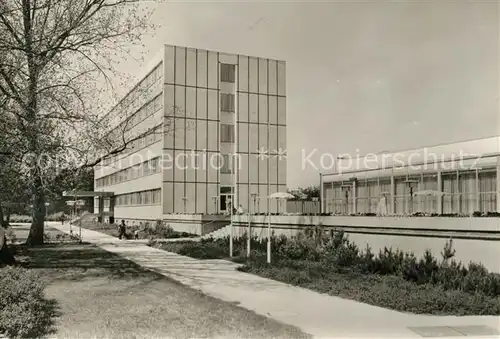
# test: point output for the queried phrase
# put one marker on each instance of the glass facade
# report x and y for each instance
(225, 104)
(461, 191)
(204, 118)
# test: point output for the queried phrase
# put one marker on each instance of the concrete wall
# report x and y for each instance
(146, 212)
(408, 234)
(415, 223)
(195, 223)
(192, 85)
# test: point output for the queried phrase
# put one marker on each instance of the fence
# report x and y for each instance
(306, 207)
(461, 203)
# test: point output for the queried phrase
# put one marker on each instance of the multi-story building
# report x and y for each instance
(205, 126)
(458, 178)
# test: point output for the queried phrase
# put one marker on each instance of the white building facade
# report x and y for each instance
(459, 178)
(212, 125)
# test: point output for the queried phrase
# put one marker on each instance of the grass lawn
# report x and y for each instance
(389, 291)
(97, 294)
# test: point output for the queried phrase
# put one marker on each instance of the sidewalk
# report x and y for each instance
(321, 315)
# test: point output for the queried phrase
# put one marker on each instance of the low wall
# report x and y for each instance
(475, 239)
(411, 223)
(196, 223)
(139, 213)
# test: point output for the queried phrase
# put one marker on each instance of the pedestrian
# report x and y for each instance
(121, 230)
(63, 218)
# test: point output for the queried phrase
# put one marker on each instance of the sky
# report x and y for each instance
(362, 76)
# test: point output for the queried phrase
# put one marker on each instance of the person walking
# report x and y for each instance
(121, 230)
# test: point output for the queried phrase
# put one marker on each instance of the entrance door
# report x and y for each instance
(225, 198)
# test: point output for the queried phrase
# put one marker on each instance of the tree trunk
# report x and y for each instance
(35, 237)
(2, 223)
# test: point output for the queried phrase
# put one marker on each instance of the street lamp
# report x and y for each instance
(346, 189)
(253, 197)
(184, 199)
(315, 199)
(215, 199)
(384, 196)
(410, 184)
(231, 207)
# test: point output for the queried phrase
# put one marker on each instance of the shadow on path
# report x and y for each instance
(72, 261)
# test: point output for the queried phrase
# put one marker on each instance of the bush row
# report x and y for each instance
(158, 230)
(23, 310)
(15, 218)
(147, 230)
(334, 251)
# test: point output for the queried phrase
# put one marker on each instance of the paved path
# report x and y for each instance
(321, 315)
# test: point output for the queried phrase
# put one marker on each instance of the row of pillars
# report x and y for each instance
(392, 193)
(100, 213)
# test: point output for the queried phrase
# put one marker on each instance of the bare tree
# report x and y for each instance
(54, 53)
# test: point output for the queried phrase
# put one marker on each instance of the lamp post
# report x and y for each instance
(184, 199)
(214, 199)
(410, 184)
(321, 192)
(346, 189)
(230, 204)
(315, 199)
(269, 231)
(253, 197)
(80, 227)
(74, 212)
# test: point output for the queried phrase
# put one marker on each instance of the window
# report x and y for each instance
(149, 109)
(227, 102)
(158, 71)
(154, 165)
(226, 164)
(156, 197)
(227, 73)
(157, 103)
(227, 133)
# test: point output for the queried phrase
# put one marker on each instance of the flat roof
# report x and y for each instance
(482, 150)
(87, 194)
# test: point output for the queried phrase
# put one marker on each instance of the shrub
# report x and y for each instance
(478, 279)
(450, 275)
(345, 255)
(207, 251)
(54, 216)
(388, 261)
(296, 249)
(319, 253)
(10, 235)
(15, 218)
(448, 251)
(409, 268)
(493, 214)
(365, 263)
(22, 306)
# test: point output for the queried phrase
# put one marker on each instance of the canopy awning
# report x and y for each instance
(87, 194)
